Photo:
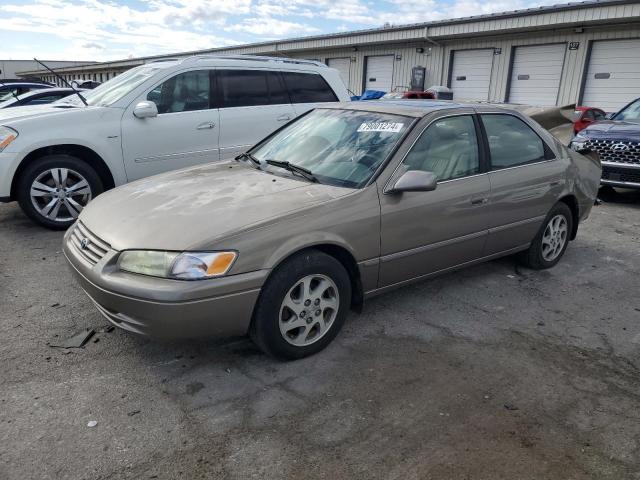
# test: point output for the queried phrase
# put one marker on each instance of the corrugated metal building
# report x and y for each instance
(9, 68)
(586, 52)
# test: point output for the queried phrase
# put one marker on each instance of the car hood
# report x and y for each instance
(8, 115)
(192, 208)
(613, 129)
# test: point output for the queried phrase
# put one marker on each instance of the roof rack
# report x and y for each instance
(256, 58)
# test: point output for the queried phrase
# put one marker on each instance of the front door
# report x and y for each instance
(425, 232)
(184, 133)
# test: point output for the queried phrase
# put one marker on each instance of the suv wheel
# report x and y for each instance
(54, 189)
(302, 306)
(551, 240)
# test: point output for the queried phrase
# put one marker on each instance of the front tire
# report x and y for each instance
(551, 241)
(302, 306)
(54, 189)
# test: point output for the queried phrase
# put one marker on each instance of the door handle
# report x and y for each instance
(479, 201)
(205, 126)
(283, 118)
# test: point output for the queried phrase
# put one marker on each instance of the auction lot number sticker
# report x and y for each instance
(380, 127)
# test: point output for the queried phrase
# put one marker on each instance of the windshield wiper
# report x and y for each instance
(60, 77)
(294, 169)
(244, 156)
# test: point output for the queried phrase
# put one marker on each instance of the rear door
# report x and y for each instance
(253, 103)
(426, 232)
(526, 179)
(307, 90)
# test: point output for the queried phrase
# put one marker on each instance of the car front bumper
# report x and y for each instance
(8, 166)
(620, 175)
(166, 308)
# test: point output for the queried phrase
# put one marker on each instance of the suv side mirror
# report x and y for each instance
(145, 109)
(415, 181)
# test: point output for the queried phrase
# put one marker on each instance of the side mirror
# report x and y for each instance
(145, 109)
(415, 181)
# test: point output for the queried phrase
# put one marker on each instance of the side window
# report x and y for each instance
(185, 92)
(588, 115)
(277, 92)
(44, 99)
(598, 115)
(242, 88)
(511, 141)
(448, 148)
(308, 88)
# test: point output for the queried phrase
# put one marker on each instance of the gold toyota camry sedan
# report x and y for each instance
(343, 203)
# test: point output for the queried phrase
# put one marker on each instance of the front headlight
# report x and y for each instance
(7, 135)
(180, 266)
(579, 142)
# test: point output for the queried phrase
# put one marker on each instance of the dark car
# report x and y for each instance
(11, 90)
(38, 97)
(617, 141)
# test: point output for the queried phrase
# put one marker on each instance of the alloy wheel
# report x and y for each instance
(60, 194)
(308, 310)
(554, 237)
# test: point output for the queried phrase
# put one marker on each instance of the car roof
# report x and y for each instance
(24, 84)
(411, 108)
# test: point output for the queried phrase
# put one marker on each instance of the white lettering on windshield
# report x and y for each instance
(380, 127)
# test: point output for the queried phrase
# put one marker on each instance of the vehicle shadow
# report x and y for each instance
(622, 196)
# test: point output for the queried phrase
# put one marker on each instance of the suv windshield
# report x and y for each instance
(339, 147)
(114, 89)
(630, 112)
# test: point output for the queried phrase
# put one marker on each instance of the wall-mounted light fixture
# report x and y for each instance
(355, 49)
(398, 56)
(420, 50)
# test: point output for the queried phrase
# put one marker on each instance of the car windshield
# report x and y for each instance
(339, 147)
(630, 113)
(114, 89)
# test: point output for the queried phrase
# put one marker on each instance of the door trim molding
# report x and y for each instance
(432, 246)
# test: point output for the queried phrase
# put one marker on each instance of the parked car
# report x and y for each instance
(160, 116)
(86, 84)
(38, 97)
(409, 95)
(586, 116)
(344, 203)
(617, 142)
(10, 90)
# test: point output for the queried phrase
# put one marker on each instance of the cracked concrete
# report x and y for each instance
(415, 387)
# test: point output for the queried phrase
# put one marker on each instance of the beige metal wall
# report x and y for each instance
(436, 59)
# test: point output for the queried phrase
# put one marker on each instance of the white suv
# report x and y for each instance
(152, 118)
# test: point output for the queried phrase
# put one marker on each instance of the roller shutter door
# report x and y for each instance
(536, 74)
(471, 74)
(379, 73)
(613, 75)
(343, 65)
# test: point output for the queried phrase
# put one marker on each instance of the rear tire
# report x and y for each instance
(551, 241)
(302, 306)
(54, 189)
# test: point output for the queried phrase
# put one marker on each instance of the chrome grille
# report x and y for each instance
(619, 151)
(86, 244)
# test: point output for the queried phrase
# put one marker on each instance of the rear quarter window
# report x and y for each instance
(308, 88)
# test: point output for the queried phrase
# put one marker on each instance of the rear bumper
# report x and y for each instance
(620, 175)
(168, 308)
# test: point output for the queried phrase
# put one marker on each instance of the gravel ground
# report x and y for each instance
(493, 372)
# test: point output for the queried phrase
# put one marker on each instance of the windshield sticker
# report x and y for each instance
(380, 127)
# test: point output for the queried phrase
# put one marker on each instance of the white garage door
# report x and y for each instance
(379, 73)
(343, 65)
(471, 74)
(536, 73)
(613, 76)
